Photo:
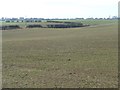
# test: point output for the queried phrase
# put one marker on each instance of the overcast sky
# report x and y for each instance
(59, 8)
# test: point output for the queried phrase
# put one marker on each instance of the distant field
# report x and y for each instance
(22, 24)
(90, 22)
(93, 22)
(73, 57)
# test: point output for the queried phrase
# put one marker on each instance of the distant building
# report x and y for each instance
(79, 18)
(89, 18)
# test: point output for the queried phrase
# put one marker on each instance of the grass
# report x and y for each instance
(73, 57)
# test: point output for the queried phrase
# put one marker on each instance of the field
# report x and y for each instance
(90, 22)
(84, 57)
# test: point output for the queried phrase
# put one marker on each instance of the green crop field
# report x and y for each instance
(92, 22)
(85, 57)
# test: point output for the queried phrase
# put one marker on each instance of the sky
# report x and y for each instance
(59, 8)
